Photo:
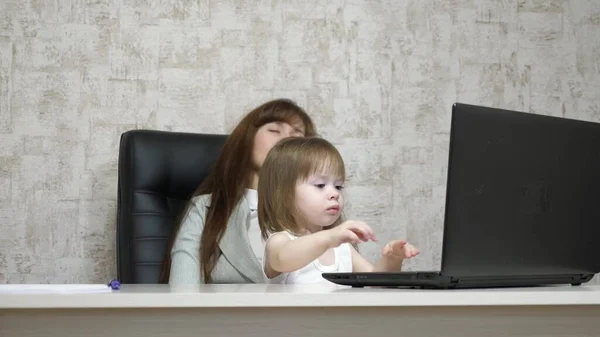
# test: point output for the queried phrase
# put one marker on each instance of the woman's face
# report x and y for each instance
(268, 135)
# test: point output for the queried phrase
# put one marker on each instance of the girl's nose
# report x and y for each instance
(335, 195)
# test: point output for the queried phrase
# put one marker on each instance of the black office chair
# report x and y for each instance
(158, 173)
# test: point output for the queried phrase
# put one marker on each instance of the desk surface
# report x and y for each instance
(265, 296)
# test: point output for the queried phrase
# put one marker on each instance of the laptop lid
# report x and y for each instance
(523, 194)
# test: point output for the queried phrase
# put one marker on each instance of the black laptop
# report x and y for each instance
(522, 204)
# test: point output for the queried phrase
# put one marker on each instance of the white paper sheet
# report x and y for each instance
(54, 288)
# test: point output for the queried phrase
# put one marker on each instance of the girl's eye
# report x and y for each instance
(320, 185)
(275, 131)
(340, 187)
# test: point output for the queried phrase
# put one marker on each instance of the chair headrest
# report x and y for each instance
(170, 163)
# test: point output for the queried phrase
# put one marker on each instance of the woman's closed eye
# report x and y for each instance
(274, 131)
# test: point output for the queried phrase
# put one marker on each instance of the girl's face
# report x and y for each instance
(320, 200)
(268, 135)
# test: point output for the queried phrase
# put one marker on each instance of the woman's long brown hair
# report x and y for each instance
(231, 173)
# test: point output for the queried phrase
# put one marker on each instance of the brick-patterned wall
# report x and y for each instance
(378, 76)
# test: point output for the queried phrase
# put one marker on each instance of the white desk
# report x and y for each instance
(274, 311)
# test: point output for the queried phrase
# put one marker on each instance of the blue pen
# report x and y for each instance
(114, 284)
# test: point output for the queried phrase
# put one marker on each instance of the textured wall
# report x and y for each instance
(379, 78)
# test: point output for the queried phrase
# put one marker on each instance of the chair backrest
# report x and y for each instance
(158, 173)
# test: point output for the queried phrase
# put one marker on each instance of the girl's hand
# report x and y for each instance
(351, 231)
(400, 250)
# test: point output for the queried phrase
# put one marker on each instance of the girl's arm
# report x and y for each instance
(361, 265)
(392, 256)
(284, 255)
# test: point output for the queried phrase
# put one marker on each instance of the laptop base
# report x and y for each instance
(435, 280)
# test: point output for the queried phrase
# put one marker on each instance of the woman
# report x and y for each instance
(218, 239)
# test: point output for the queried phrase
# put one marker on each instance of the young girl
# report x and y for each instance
(300, 204)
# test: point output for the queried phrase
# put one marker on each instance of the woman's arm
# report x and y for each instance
(185, 259)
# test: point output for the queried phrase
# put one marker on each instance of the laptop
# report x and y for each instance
(522, 204)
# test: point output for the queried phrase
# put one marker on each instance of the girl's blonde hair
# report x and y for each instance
(291, 161)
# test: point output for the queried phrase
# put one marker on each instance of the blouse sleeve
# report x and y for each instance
(185, 259)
